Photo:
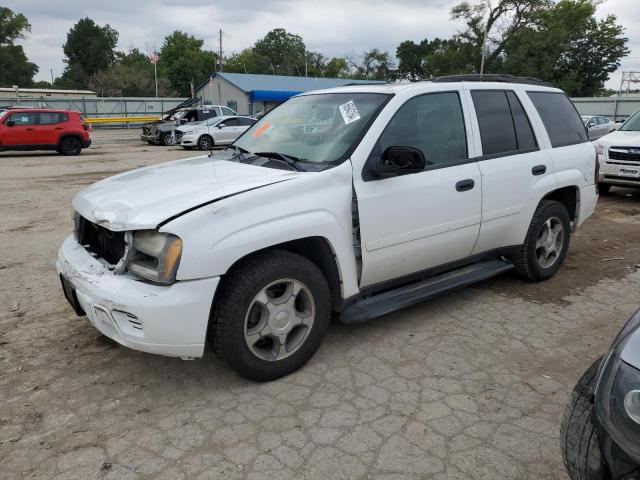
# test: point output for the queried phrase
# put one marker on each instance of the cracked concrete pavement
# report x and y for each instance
(470, 385)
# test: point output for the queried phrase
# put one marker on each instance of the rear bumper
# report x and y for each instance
(86, 143)
(166, 320)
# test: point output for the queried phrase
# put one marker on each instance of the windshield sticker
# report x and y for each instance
(261, 129)
(349, 112)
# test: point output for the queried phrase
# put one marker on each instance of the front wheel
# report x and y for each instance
(271, 315)
(168, 139)
(205, 142)
(578, 437)
(546, 243)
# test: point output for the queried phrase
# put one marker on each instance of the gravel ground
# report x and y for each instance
(471, 385)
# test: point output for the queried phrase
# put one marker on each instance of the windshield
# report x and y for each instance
(313, 128)
(632, 124)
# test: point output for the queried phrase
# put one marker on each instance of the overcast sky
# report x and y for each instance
(332, 27)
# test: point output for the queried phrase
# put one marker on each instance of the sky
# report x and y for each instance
(332, 27)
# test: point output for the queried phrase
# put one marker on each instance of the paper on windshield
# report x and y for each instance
(349, 112)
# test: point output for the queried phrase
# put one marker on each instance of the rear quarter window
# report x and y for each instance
(560, 118)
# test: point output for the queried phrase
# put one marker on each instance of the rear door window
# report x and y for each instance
(560, 118)
(230, 122)
(50, 118)
(497, 131)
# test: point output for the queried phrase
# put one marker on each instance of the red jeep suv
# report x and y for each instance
(43, 129)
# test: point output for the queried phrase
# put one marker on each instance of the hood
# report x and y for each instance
(620, 138)
(145, 197)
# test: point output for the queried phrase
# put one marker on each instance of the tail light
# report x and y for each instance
(87, 127)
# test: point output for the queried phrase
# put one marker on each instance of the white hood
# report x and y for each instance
(145, 197)
(620, 138)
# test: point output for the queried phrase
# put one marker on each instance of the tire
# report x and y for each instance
(604, 188)
(579, 441)
(167, 139)
(70, 146)
(205, 142)
(535, 261)
(247, 306)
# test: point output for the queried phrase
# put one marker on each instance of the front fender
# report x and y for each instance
(312, 205)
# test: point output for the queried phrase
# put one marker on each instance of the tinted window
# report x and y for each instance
(246, 121)
(525, 138)
(227, 111)
(432, 123)
(23, 118)
(496, 125)
(560, 118)
(230, 122)
(49, 118)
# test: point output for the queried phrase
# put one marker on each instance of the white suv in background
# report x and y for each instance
(619, 156)
(354, 201)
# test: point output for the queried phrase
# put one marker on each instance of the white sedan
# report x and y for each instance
(212, 132)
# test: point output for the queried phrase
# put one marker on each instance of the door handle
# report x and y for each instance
(464, 185)
(29, 129)
(59, 128)
(539, 170)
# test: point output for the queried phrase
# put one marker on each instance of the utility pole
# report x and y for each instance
(220, 49)
(51, 70)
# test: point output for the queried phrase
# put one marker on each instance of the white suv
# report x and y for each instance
(619, 156)
(353, 201)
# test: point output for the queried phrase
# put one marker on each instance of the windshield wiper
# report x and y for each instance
(240, 152)
(288, 159)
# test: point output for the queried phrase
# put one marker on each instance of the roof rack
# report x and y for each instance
(476, 77)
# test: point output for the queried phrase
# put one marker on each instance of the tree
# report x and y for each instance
(183, 61)
(15, 68)
(131, 76)
(284, 51)
(373, 64)
(89, 49)
(567, 46)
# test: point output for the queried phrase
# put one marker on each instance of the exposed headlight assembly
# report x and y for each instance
(154, 256)
(617, 397)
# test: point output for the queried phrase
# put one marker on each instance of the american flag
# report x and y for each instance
(154, 57)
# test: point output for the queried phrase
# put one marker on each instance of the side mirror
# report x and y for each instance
(221, 125)
(398, 161)
(10, 123)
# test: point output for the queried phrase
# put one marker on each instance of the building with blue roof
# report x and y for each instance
(249, 93)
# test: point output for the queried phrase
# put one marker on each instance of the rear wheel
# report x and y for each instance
(205, 142)
(604, 188)
(70, 146)
(270, 315)
(546, 243)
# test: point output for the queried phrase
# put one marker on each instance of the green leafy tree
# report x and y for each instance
(284, 52)
(373, 64)
(15, 68)
(248, 61)
(567, 46)
(183, 61)
(131, 76)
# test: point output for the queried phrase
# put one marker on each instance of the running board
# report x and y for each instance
(365, 309)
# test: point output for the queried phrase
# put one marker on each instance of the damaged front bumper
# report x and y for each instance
(166, 320)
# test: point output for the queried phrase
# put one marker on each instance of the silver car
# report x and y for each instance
(212, 132)
(597, 126)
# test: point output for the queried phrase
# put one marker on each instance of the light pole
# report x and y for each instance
(154, 57)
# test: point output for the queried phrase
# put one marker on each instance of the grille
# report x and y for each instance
(625, 153)
(99, 241)
(178, 136)
(145, 130)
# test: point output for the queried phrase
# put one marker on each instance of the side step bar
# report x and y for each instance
(365, 309)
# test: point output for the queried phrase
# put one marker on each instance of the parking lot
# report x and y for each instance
(470, 385)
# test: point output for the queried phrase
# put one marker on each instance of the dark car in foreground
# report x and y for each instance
(600, 431)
